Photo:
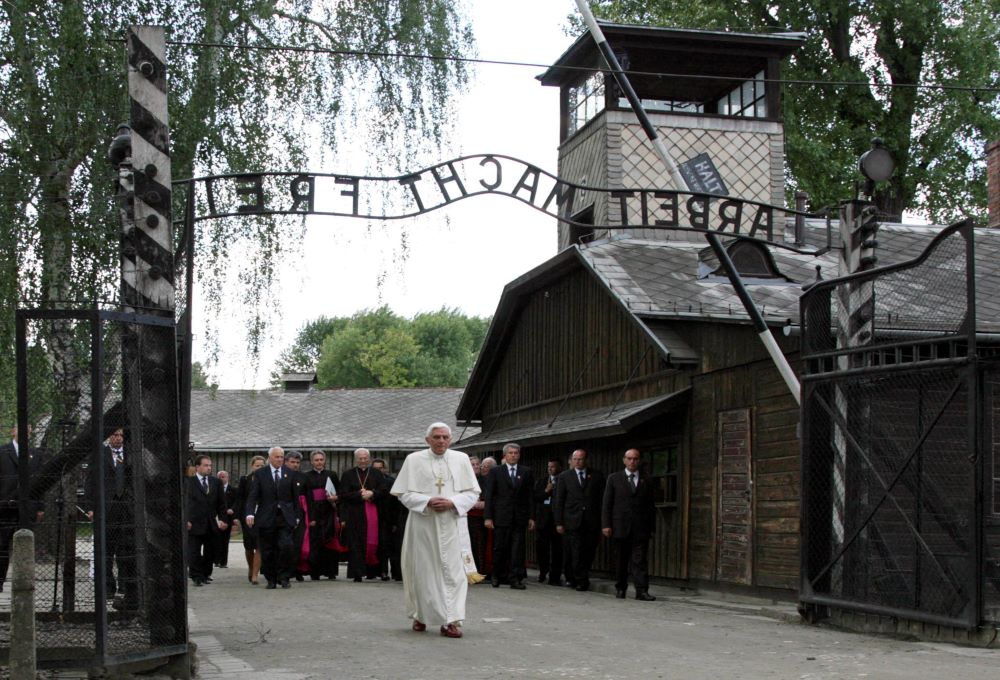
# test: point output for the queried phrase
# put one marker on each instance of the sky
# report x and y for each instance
(460, 256)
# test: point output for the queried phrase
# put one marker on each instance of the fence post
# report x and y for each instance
(22, 607)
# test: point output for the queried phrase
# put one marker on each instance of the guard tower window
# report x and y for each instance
(747, 100)
(665, 106)
(586, 100)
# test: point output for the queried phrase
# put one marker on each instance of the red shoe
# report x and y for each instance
(419, 627)
(451, 631)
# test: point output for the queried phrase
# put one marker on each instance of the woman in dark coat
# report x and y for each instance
(249, 533)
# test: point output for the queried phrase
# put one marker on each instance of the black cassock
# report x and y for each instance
(361, 561)
(323, 557)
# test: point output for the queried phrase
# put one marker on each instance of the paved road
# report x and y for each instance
(342, 629)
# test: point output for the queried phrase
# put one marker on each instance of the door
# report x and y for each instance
(734, 529)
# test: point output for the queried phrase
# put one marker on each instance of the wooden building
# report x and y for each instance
(635, 338)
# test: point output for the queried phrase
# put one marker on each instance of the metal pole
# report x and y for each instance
(760, 326)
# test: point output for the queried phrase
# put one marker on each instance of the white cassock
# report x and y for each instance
(434, 581)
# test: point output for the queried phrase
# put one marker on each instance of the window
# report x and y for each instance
(586, 100)
(664, 106)
(748, 100)
(666, 475)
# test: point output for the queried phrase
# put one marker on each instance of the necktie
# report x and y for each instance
(119, 471)
(204, 484)
(512, 478)
(277, 475)
(631, 479)
(580, 472)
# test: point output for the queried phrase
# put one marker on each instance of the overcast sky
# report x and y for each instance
(460, 256)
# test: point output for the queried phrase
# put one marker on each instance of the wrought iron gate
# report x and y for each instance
(892, 423)
(110, 585)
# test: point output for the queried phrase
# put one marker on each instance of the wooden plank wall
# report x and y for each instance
(571, 339)
(756, 385)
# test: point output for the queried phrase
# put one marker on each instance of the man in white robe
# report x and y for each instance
(438, 487)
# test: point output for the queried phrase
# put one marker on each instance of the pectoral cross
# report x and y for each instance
(439, 484)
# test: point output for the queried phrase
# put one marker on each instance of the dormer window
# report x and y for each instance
(753, 261)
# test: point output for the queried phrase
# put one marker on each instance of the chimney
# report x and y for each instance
(298, 382)
(993, 182)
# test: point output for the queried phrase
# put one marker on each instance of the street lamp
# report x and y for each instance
(877, 165)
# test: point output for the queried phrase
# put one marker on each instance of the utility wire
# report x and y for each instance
(583, 69)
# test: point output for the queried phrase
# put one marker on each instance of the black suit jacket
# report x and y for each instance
(543, 512)
(576, 506)
(232, 500)
(9, 478)
(90, 497)
(204, 509)
(509, 504)
(267, 501)
(628, 513)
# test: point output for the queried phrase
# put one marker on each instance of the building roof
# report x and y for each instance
(656, 281)
(378, 419)
(683, 54)
(580, 424)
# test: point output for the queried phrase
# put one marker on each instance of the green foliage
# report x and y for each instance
(201, 380)
(377, 348)
(63, 91)
(937, 136)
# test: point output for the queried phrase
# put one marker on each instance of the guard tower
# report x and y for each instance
(710, 94)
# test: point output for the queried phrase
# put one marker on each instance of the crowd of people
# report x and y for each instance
(301, 523)
(446, 521)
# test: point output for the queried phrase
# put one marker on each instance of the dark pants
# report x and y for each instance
(390, 549)
(277, 552)
(632, 563)
(221, 557)
(119, 552)
(8, 525)
(477, 537)
(508, 553)
(581, 544)
(201, 554)
(549, 549)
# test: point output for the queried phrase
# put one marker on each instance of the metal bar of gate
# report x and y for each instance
(23, 470)
(887, 494)
(975, 431)
(98, 465)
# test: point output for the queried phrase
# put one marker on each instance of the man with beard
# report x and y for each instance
(321, 496)
(361, 490)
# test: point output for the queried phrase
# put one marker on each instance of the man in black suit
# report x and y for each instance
(628, 514)
(229, 493)
(119, 534)
(509, 512)
(205, 508)
(548, 544)
(392, 515)
(9, 498)
(273, 508)
(577, 515)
